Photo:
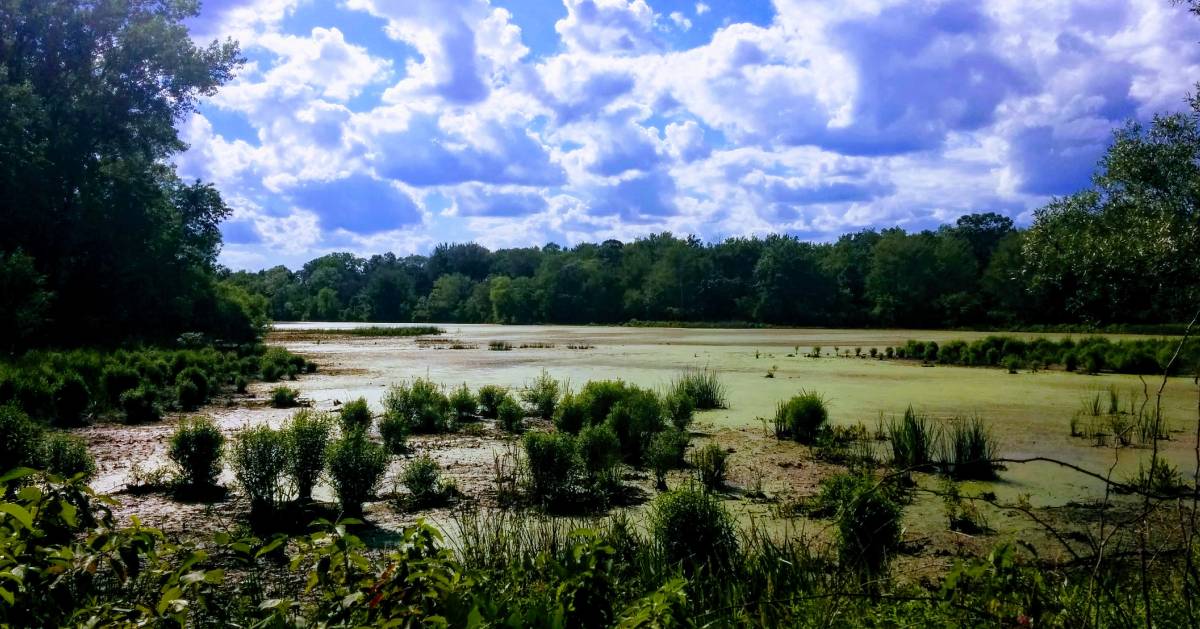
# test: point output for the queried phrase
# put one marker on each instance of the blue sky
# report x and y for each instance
(388, 125)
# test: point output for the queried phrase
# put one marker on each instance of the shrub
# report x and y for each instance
(196, 448)
(1012, 363)
(463, 404)
(307, 437)
(423, 479)
(836, 492)
(1070, 361)
(117, 380)
(542, 394)
(868, 527)
(710, 463)
(67, 456)
(141, 405)
(551, 463)
(241, 383)
(509, 414)
(801, 418)
(931, 352)
(679, 409)
(71, 399)
(187, 395)
(356, 465)
(913, 440)
(665, 453)
(571, 415)
(420, 407)
(355, 415)
(284, 397)
(598, 397)
(690, 528)
(490, 397)
(703, 386)
(259, 459)
(20, 438)
(600, 454)
(968, 451)
(394, 432)
(198, 391)
(635, 419)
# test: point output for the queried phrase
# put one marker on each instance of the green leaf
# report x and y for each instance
(18, 512)
(16, 473)
(168, 596)
(6, 595)
(69, 512)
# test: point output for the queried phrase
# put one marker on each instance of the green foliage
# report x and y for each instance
(67, 455)
(141, 405)
(463, 404)
(193, 388)
(20, 438)
(284, 397)
(509, 415)
(259, 458)
(710, 462)
(420, 407)
(600, 454)
(542, 395)
(913, 441)
(394, 431)
(422, 477)
(571, 415)
(356, 466)
(801, 418)
(117, 380)
(868, 526)
(552, 464)
(1091, 354)
(490, 396)
(196, 448)
(71, 399)
(691, 528)
(635, 419)
(679, 409)
(355, 415)
(307, 438)
(702, 386)
(665, 453)
(968, 450)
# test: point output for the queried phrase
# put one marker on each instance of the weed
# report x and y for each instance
(196, 448)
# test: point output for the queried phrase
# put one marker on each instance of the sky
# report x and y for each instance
(392, 125)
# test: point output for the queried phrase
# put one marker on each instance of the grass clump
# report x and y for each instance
(690, 528)
(801, 418)
(422, 477)
(500, 346)
(420, 407)
(968, 450)
(542, 395)
(703, 386)
(679, 409)
(259, 459)
(913, 439)
(307, 438)
(67, 456)
(284, 397)
(868, 525)
(356, 466)
(665, 453)
(355, 415)
(196, 448)
(571, 415)
(711, 465)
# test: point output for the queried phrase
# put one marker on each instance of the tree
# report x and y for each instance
(25, 302)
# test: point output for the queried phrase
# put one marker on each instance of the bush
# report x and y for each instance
(117, 380)
(71, 399)
(913, 440)
(1012, 363)
(193, 388)
(284, 397)
(463, 404)
(420, 407)
(187, 395)
(635, 420)
(356, 465)
(665, 453)
(968, 451)
(551, 463)
(703, 386)
(423, 479)
(20, 439)
(679, 409)
(394, 432)
(600, 454)
(801, 418)
(196, 448)
(490, 397)
(571, 415)
(868, 526)
(307, 437)
(355, 415)
(67, 456)
(140, 405)
(542, 395)
(931, 352)
(690, 528)
(710, 464)
(598, 397)
(259, 459)
(510, 415)
(241, 383)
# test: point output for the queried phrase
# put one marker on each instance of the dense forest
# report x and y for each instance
(1126, 250)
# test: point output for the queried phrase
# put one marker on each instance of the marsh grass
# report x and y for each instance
(373, 331)
(499, 346)
(968, 450)
(703, 386)
(710, 463)
(913, 439)
(284, 397)
(802, 417)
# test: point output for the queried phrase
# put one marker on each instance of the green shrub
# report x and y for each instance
(307, 436)
(490, 397)
(187, 395)
(259, 460)
(703, 386)
(801, 418)
(420, 407)
(551, 465)
(356, 466)
(868, 526)
(509, 415)
(117, 380)
(690, 528)
(355, 415)
(931, 352)
(20, 439)
(600, 453)
(968, 450)
(679, 409)
(836, 492)
(542, 395)
(196, 448)
(193, 396)
(141, 405)
(635, 419)
(463, 404)
(394, 432)
(67, 455)
(284, 397)
(71, 399)
(913, 440)
(710, 462)
(598, 397)
(571, 415)
(241, 383)
(665, 453)
(1012, 363)
(422, 477)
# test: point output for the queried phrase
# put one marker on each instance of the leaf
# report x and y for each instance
(270, 546)
(16, 473)
(18, 512)
(6, 595)
(69, 512)
(167, 597)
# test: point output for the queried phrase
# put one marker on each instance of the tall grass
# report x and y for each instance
(703, 386)
(801, 418)
(913, 439)
(968, 450)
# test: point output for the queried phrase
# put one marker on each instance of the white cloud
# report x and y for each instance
(681, 20)
(701, 8)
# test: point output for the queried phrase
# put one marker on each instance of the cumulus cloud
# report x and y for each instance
(621, 27)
